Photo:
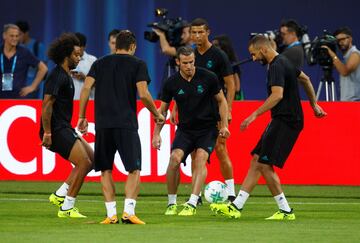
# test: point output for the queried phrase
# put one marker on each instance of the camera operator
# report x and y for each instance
(166, 48)
(290, 34)
(350, 70)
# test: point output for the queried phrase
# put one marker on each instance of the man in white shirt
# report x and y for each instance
(82, 69)
(349, 68)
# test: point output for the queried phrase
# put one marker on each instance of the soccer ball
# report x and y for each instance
(215, 192)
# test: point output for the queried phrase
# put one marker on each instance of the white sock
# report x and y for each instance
(241, 199)
(172, 199)
(69, 203)
(110, 208)
(129, 206)
(230, 187)
(282, 202)
(193, 200)
(62, 191)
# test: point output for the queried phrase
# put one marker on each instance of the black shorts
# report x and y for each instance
(63, 141)
(125, 141)
(189, 141)
(276, 143)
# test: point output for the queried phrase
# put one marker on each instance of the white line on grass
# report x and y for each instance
(100, 201)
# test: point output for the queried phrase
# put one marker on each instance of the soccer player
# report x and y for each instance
(117, 78)
(215, 60)
(56, 131)
(282, 132)
(196, 92)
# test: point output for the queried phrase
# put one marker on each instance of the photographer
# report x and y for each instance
(350, 70)
(290, 34)
(166, 48)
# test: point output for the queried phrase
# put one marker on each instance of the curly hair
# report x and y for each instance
(225, 44)
(62, 47)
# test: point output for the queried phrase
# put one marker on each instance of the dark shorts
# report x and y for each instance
(276, 143)
(189, 141)
(110, 140)
(63, 141)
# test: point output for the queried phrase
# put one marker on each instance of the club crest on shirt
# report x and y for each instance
(200, 89)
(209, 64)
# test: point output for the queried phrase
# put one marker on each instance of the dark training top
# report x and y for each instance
(194, 98)
(60, 84)
(216, 61)
(115, 84)
(282, 73)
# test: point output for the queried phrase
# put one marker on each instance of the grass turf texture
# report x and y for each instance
(324, 214)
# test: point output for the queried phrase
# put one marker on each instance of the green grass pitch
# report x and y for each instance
(324, 214)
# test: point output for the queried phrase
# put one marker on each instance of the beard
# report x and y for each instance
(72, 65)
(263, 61)
(344, 48)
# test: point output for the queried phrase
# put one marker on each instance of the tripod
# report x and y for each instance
(329, 83)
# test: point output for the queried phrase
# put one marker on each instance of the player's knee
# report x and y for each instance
(86, 164)
(220, 148)
(175, 158)
(255, 165)
(222, 155)
(175, 161)
(199, 162)
(200, 168)
(220, 141)
(263, 168)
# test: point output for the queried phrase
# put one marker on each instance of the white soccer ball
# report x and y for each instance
(215, 192)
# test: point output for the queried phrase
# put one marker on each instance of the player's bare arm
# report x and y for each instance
(309, 89)
(223, 110)
(274, 98)
(148, 101)
(156, 141)
(230, 93)
(47, 110)
(82, 124)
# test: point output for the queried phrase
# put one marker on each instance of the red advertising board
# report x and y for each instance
(327, 152)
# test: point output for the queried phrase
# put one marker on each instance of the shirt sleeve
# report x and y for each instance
(276, 75)
(142, 73)
(166, 94)
(92, 71)
(32, 60)
(53, 85)
(236, 69)
(214, 85)
(41, 52)
(225, 68)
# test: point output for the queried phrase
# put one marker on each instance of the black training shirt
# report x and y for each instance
(195, 99)
(283, 73)
(115, 90)
(215, 60)
(60, 85)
